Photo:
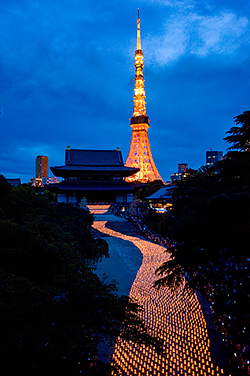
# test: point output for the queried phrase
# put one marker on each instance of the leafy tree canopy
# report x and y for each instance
(54, 310)
(239, 137)
(208, 230)
(149, 188)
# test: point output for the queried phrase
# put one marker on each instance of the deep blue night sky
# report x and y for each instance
(67, 77)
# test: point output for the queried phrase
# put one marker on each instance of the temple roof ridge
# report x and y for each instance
(89, 157)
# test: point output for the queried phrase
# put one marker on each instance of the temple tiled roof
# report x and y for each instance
(162, 193)
(93, 161)
(93, 157)
(94, 168)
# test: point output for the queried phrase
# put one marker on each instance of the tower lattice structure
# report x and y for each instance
(140, 155)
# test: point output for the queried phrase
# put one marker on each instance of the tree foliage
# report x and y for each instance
(209, 228)
(239, 137)
(54, 310)
(210, 216)
(149, 188)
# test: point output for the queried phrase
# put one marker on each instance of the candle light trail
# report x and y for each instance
(175, 318)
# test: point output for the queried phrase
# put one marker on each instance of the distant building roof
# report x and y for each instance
(14, 182)
(162, 193)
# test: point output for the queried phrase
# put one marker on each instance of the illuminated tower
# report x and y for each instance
(139, 153)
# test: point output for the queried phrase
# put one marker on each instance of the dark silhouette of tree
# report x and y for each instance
(208, 230)
(239, 137)
(54, 310)
(148, 189)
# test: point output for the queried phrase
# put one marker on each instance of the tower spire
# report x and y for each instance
(139, 155)
(138, 33)
(139, 97)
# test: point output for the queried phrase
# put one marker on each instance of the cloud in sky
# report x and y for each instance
(200, 35)
(67, 77)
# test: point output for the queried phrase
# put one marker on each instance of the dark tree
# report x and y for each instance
(54, 309)
(208, 230)
(239, 137)
(149, 188)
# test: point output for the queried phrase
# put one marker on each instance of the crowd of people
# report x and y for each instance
(225, 290)
(137, 220)
(228, 295)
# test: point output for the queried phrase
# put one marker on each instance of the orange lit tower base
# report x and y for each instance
(139, 155)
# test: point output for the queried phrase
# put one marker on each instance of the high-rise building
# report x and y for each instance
(213, 156)
(42, 166)
(140, 155)
(182, 167)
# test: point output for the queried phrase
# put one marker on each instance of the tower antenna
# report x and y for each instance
(138, 33)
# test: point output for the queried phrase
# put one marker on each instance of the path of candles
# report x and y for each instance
(175, 318)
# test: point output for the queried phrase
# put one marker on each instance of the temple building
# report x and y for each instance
(140, 155)
(96, 175)
(162, 199)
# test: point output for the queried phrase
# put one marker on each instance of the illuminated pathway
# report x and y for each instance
(176, 318)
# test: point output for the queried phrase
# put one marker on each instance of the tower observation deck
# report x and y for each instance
(140, 155)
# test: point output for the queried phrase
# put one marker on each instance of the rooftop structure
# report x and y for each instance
(15, 182)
